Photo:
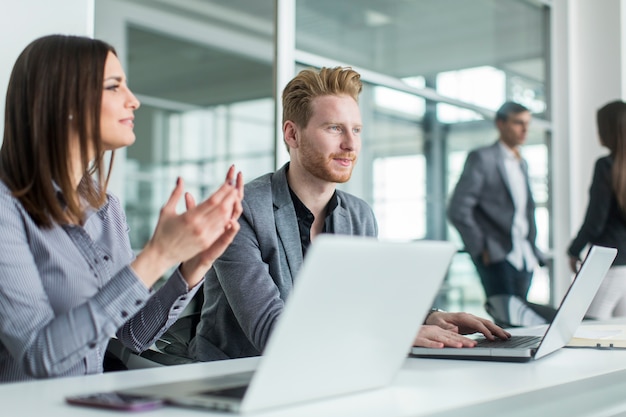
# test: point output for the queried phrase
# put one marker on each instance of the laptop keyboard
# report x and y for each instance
(513, 342)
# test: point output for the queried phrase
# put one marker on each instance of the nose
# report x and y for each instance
(132, 101)
(349, 140)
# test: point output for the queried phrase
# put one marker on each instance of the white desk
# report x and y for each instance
(572, 382)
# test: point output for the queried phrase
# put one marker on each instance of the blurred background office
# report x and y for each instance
(207, 72)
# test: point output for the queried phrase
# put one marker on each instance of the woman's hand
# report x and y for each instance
(194, 269)
(198, 235)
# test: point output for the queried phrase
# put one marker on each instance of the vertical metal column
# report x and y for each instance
(284, 67)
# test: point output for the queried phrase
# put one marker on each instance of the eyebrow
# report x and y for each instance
(341, 124)
(117, 78)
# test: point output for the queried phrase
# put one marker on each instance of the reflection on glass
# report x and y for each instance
(203, 109)
(528, 92)
(388, 100)
(400, 210)
(207, 105)
(199, 146)
(482, 86)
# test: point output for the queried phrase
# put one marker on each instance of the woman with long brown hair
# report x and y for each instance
(605, 221)
(68, 277)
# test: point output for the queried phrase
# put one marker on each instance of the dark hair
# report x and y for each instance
(56, 85)
(508, 108)
(611, 121)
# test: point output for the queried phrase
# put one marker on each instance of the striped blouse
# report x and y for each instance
(65, 291)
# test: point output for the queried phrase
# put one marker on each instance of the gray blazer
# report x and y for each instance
(481, 206)
(245, 291)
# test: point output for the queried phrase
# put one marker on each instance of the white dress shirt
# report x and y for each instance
(521, 256)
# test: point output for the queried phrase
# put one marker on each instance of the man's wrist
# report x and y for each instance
(432, 310)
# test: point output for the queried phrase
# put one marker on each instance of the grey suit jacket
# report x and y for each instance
(481, 206)
(245, 291)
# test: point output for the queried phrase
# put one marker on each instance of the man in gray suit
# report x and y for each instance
(493, 209)
(284, 211)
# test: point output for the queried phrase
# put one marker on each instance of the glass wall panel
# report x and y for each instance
(434, 71)
(464, 59)
(406, 38)
(207, 101)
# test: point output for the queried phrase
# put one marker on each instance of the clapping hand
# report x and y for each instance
(196, 237)
(194, 269)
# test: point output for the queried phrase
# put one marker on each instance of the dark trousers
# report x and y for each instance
(503, 278)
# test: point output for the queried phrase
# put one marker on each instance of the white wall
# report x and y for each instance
(587, 71)
(25, 20)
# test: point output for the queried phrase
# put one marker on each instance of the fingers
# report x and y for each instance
(435, 336)
(237, 207)
(475, 324)
(466, 323)
(424, 342)
(237, 210)
(230, 175)
(488, 328)
(203, 232)
(226, 238)
(497, 330)
(170, 205)
(239, 184)
(190, 202)
(223, 192)
(202, 262)
(229, 194)
(219, 214)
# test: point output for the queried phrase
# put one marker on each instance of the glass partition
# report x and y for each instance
(407, 38)
(434, 73)
(206, 103)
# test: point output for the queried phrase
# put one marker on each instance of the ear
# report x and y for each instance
(291, 133)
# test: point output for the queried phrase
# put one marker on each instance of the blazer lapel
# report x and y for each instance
(286, 221)
(499, 159)
(341, 221)
(531, 202)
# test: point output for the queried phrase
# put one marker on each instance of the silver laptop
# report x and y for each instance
(348, 326)
(558, 333)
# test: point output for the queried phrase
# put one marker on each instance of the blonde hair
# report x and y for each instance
(310, 83)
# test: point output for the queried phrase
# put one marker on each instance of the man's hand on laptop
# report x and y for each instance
(432, 336)
(443, 329)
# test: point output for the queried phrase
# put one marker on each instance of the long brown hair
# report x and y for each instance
(55, 88)
(611, 120)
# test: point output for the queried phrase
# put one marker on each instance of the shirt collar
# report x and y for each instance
(88, 211)
(507, 152)
(302, 211)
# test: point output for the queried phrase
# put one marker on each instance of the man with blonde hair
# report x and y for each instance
(284, 211)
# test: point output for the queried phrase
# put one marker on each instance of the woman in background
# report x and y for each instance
(605, 221)
(68, 277)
